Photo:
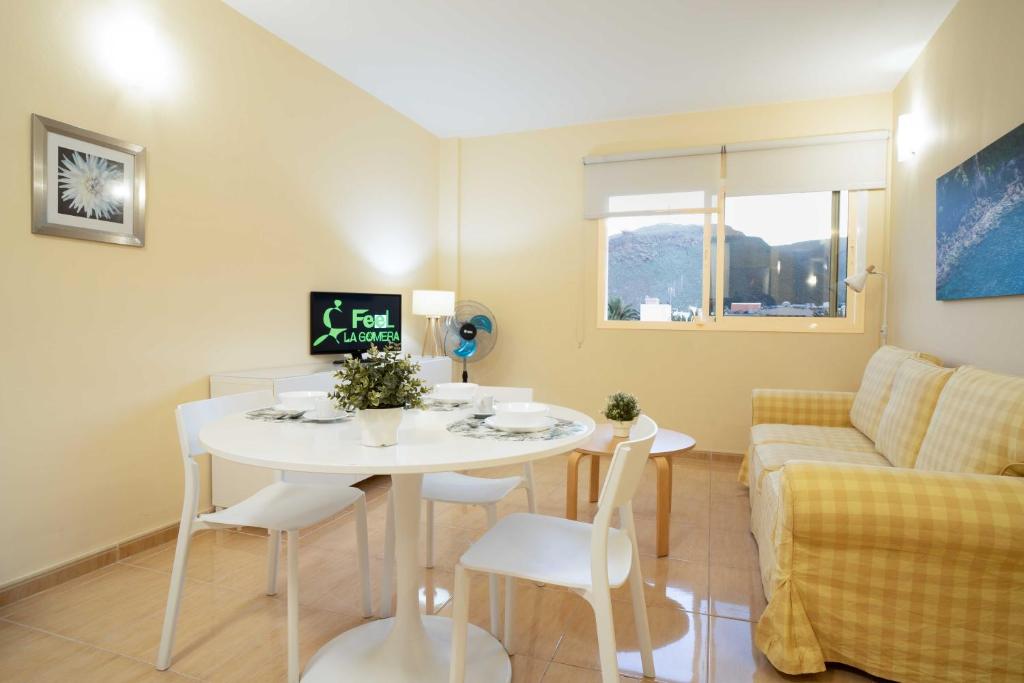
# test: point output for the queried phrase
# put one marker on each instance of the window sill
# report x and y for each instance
(745, 324)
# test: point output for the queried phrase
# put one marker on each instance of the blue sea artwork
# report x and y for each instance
(979, 223)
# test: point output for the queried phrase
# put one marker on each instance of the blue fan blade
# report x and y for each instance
(483, 322)
(466, 349)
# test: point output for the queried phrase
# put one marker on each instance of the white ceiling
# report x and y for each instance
(477, 67)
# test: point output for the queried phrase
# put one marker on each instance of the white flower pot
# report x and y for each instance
(622, 427)
(379, 426)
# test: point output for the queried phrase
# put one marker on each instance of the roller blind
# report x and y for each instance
(818, 165)
(683, 182)
(855, 161)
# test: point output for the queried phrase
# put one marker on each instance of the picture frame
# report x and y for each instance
(87, 185)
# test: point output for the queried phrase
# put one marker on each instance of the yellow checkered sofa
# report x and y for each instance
(890, 531)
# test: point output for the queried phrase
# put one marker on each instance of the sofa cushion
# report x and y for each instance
(770, 457)
(915, 391)
(873, 394)
(837, 438)
(978, 424)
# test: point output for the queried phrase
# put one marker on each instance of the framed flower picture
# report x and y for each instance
(86, 185)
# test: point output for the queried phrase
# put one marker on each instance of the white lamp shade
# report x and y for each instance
(433, 303)
(857, 282)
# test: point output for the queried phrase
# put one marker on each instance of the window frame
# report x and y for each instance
(853, 323)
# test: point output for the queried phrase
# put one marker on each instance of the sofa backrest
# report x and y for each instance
(912, 399)
(875, 385)
(978, 424)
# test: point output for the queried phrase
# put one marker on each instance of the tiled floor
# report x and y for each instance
(703, 599)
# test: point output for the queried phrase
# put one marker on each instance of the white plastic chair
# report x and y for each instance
(590, 559)
(454, 487)
(282, 506)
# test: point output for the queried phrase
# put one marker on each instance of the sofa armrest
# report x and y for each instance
(801, 407)
(913, 575)
(905, 510)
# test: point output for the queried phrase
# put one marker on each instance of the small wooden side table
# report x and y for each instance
(666, 444)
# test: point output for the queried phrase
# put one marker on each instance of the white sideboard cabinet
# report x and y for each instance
(232, 481)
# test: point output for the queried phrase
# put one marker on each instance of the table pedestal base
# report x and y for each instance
(372, 652)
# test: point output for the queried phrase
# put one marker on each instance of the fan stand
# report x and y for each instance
(465, 372)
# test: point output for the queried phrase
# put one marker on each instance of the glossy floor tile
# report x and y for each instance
(703, 599)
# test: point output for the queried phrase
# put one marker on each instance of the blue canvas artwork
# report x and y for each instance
(979, 223)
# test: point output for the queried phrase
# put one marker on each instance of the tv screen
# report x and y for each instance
(348, 322)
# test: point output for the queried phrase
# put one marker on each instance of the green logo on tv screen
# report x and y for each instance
(352, 322)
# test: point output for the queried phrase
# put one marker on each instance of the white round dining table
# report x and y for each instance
(408, 646)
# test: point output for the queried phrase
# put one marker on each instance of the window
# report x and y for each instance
(744, 236)
(655, 267)
(785, 255)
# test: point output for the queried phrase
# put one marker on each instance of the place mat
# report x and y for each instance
(435, 406)
(274, 415)
(475, 428)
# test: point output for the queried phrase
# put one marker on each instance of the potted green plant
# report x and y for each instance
(380, 387)
(622, 410)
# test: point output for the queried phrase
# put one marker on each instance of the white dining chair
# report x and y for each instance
(282, 506)
(590, 559)
(486, 492)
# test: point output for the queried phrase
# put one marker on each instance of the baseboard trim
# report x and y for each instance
(711, 455)
(54, 576)
(22, 588)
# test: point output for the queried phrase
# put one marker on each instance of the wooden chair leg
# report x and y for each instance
(595, 477)
(492, 581)
(293, 606)
(177, 587)
(430, 534)
(572, 474)
(664, 465)
(531, 496)
(363, 544)
(460, 620)
(273, 559)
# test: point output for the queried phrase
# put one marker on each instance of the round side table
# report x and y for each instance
(666, 444)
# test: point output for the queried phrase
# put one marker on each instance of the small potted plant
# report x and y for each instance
(380, 388)
(622, 410)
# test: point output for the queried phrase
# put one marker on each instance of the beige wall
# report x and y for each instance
(526, 252)
(269, 176)
(966, 87)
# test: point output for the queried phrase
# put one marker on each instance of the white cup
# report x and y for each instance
(485, 405)
(324, 409)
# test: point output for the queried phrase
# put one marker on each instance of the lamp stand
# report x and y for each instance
(432, 345)
(885, 308)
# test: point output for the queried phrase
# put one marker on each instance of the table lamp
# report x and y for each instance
(433, 304)
(859, 281)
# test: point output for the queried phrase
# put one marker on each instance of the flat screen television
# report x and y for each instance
(349, 322)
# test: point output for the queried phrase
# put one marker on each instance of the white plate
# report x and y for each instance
(494, 422)
(336, 418)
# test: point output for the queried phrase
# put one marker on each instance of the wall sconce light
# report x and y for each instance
(908, 136)
(859, 281)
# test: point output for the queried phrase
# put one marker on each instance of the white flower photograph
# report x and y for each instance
(87, 185)
(90, 186)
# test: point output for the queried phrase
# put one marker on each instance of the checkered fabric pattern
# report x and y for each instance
(978, 424)
(915, 391)
(906, 574)
(796, 407)
(835, 438)
(875, 384)
(799, 407)
(770, 457)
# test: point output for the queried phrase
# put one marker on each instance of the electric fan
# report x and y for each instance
(470, 334)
